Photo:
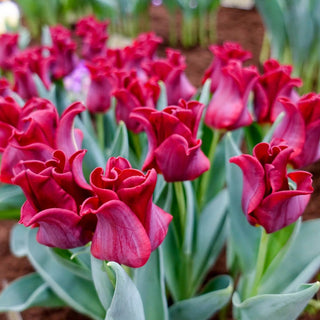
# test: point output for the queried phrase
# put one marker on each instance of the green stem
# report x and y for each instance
(261, 259)
(206, 175)
(178, 187)
(100, 129)
(314, 304)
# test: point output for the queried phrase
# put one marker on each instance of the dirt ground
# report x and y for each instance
(232, 24)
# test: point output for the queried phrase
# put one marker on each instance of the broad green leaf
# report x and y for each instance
(18, 240)
(210, 236)
(126, 303)
(267, 138)
(202, 307)
(244, 238)
(43, 92)
(24, 38)
(273, 18)
(26, 292)
(120, 146)
(162, 100)
(253, 135)
(101, 282)
(77, 292)
(11, 200)
(299, 264)
(205, 93)
(149, 280)
(274, 306)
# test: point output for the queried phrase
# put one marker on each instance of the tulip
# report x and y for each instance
(8, 49)
(228, 107)
(222, 55)
(174, 149)
(128, 224)
(275, 82)
(268, 197)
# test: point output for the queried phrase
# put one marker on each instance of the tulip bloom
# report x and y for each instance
(228, 107)
(128, 224)
(171, 72)
(36, 131)
(54, 190)
(174, 149)
(275, 82)
(268, 199)
(134, 93)
(8, 49)
(93, 35)
(222, 55)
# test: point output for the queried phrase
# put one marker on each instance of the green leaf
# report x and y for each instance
(210, 236)
(11, 200)
(202, 307)
(274, 306)
(26, 292)
(162, 100)
(274, 126)
(101, 282)
(126, 303)
(273, 18)
(205, 92)
(77, 292)
(244, 238)
(299, 264)
(149, 280)
(18, 240)
(120, 146)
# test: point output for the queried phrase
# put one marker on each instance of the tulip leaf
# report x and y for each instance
(299, 264)
(18, 240)
(77, 292)
(273, 18)
(215, 296)
(244, 238)
(11, 200)
(274, 306)
(149, 280)
(210, 236)
(101, 282)
(126, 303)
(120, 145)
(162, 100)
(26, 292)
(205, 93)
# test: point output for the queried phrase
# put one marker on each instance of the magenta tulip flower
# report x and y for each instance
(54, 191)
(227, 108)
(268, 198)
(174, 149)
(8, 49)
(222, 55)
(275, 82)
(128, 224)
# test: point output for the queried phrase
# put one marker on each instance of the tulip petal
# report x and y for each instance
(253, 181)
(120, 236)
(59, 228)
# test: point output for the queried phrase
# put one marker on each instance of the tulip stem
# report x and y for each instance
(100, 129)
(178, 186)
(261, 259)
(206, 175)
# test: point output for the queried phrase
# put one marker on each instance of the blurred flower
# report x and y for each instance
(9, 16)
(268, 197)
(222, 55)
(132, 94)
(8, 49)
(227, 108)
(174, 149)
(93, 36)
(4, 87)
(275, 82)
(171, 72)
(128, 224)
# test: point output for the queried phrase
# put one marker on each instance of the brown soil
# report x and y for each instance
(232, 24)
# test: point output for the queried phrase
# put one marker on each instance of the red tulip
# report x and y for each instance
(174, 149)
(8, 49)
(129, 225)
(274, 83)
(222, 55)
(268, 199)
(54, 191)
(228, 107)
